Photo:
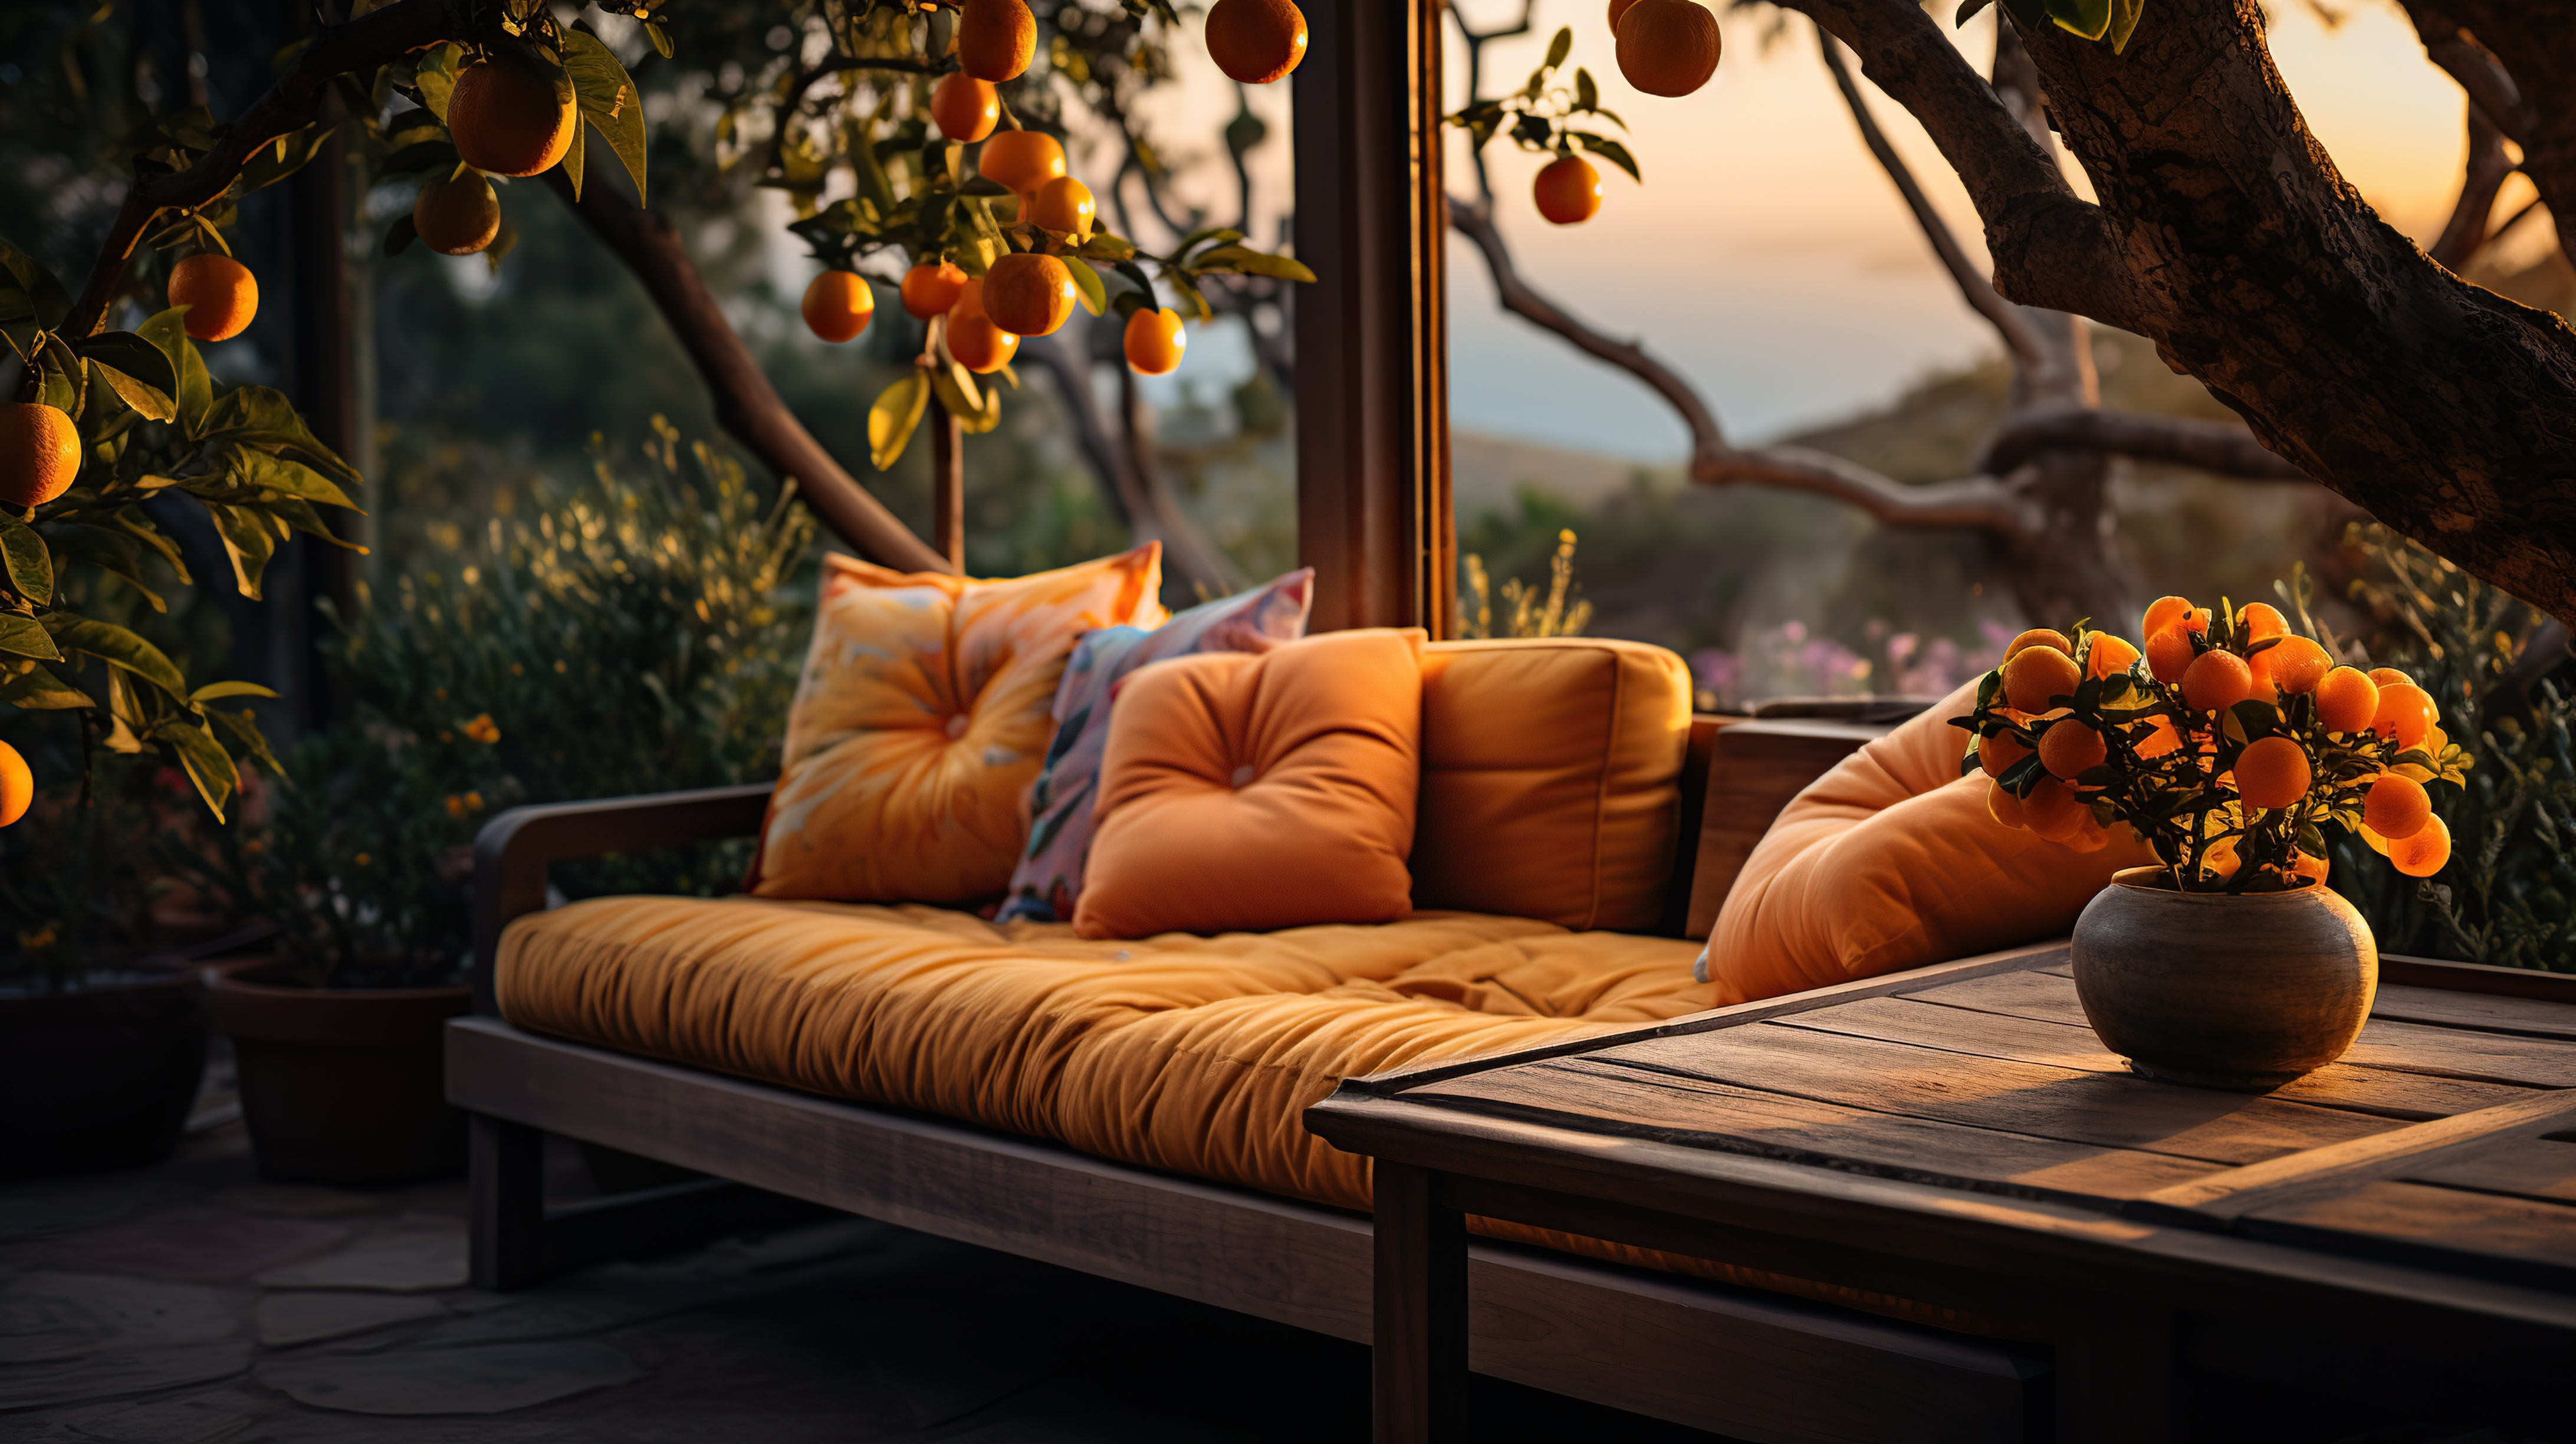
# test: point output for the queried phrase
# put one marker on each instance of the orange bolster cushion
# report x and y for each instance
(1249, 792)
(1891, 861)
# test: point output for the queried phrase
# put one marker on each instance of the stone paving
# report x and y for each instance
(193, 1302)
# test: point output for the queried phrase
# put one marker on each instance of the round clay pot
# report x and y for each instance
(343, 1085)
(2241, 992)
(102, 1076)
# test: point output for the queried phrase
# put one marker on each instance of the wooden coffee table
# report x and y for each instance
(1958, 1137)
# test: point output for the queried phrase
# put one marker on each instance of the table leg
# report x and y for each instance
(1418, 1363)
(2115, 1377)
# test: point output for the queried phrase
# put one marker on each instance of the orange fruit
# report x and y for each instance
(1065, 204)
(1618, 8)
(2051, 809)
(220, 293)
(2372, 840)
(2003, 807)
(839, 305)
(2070, 747)
(2386, 675)
(2107, 655)
(2216, 681)
(507, 119)
(2000, 753)
(2170, 654)
(2405, 713)
(2038, 637)
(1567, 191)
(456, 215)
(2035, 680)
(2164, 612)
(2294, 664)
(978, 344)
(2273, 772)
(1256, 41)
(1155, 341)
(2346, 700)
(1028, 294)
(965, 108)
(2396, 807)
(2161, 738)
(2425, 853)
(2220, 860)
(17, 785)
(930, 290)
(1021, 159)
(40, 453)
(2310, 866)
(1667, 47)
(995, 39)
(2263, 620)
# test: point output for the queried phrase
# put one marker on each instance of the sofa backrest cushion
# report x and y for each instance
(1891, 861)
(1551, 772)
(1244, 792)
(922, 717)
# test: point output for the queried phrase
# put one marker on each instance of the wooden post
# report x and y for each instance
(1373, 507)
(947, 485)
(1418, 1344)
(317, 199)
(507, 1203)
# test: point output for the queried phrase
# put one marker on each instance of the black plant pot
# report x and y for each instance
(344, 1085)
(102, 1077)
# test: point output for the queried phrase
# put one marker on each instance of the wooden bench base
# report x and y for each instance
(1749, 1365)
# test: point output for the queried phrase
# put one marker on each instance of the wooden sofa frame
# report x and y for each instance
(1743, 1363)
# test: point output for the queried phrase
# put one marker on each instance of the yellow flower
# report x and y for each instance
(455, 806)
(363, 859)
(474, 802)
(482, 729)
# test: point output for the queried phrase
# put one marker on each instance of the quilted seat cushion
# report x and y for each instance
(1188, 1053)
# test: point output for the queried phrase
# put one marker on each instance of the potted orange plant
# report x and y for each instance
(2228, 743)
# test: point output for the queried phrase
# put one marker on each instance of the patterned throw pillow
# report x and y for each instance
(1050, 872)
(921, 720)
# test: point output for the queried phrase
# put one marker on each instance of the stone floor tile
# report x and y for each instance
(413, 1259)
(199, 1419)
(285, 1320)
(201, 1245)
(67, 1338)
(489, 1380)
(297, 1200)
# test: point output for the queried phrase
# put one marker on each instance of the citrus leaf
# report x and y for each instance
(1106, 247)
(1611, 151)
(576, 156)
(30, 565)
(1560, 47)
(49, 301)
(214, 691)
(64, 379)
(1245, 261)
(41, 691)
(242, 730)
(27, 637)
(2089, 19)
(435, 77)
(207, 763)
(892, 418)
(260, 469)
(661, 39)
(1086, 283)
(149, 402)
(1587, 94)
(2125, 15)
(133, 355)
(247, 541)
(609, 100)
(504, 241)
(400, 235)
(115, 645)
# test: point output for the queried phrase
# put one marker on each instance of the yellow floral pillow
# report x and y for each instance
(922, 718)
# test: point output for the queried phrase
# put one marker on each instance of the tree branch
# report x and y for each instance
(746, 404)
(2482, 177)
(2490, 86)
(1150, 512)
(1979, 292)
(2207, 445)
(378, 37)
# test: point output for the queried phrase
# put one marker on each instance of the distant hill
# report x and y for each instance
(1486, 473)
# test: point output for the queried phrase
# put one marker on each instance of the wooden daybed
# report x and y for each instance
(1748, 1363)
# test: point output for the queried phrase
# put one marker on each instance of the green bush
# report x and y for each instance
(636, 636)
(2508, 896)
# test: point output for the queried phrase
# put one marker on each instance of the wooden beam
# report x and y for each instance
(1374, 514)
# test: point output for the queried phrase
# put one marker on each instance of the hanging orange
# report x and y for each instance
(1154, 341)
(2294, 664)
(2346, 700)
(1567, 191)
(1028, 294)
(2273, 772)
(508, 119)
(2069, 748)
(2396, 806)
(1668, 47)
(1065, 205)
(2405, 713)
(995, 39)
(2000, 754)
(966, 109)
(17, 785)
(2216, 681)
(457, 215)
(220, 293)
(2108, 655)
(2036, 678)
(1256, 41)
(40, 453)
(1021, 160)
(839, 305)
(929, 290)
(2425, 853)
(978, 344)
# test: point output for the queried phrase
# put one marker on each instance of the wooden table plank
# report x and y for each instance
(2391, 1094)
(2522, 1240)
(2355, 1161)
(1585, 1093)
(2528, 1167)
(2527, 1016)
(2047, 994)
(2027, 1098)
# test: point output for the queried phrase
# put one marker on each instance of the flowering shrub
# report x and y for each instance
(1791, 661)
(2226, 745)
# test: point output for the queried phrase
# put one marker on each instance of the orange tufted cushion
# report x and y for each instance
(1891, 861)
(1246, 791)
(1551, 779)
(921, 720)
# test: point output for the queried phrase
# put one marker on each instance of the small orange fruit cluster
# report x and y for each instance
(2225, 742)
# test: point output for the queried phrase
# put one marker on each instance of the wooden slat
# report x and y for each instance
(1585, 1094)
(2463, 1053)
(2241, 1190)
(2527, 1167)
(2040, 992)
(2477, 978)
(2029, 1098)
(2522, 1240)
(1754, 769)
(2029, 1040)
(2528, 1016)
(1711, 1358)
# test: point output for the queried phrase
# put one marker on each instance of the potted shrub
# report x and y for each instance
(2228, 746)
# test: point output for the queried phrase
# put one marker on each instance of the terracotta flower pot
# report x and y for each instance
(2240, 992)
(101, 1077)
(344, 1085)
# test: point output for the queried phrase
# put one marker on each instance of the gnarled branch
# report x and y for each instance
(2467, 232)
(2210, 446)
(1149, 510)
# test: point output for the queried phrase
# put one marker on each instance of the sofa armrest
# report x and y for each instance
(511, 853)
(1754, 768)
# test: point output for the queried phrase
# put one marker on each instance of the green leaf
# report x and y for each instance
(400, 235)
(576, 157)
(30, 565)
(1105, 247)
(27, 637)
(894, 415)
(50, 302)
(1086, 283)
(215, 691)
(435, 78)
(1242, 260)
(38, 690)
(241, 729)
(2028, 14)
(504, 241)
(207, 763)
(118, 647)
(64, 380)
(132, 354)
(1611, 151)
(288, 478)
(608, 99)
(1587, 95)
(661, 39)
(2125, 15)
(248, 541)
(1222, 235)
(1560, 47)
(281, 158)
(264, 417)
(149, 402)
(2090, 19)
